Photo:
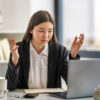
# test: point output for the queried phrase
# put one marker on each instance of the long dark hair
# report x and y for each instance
(37, 18)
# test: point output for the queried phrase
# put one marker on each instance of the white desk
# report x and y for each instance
(20, 93)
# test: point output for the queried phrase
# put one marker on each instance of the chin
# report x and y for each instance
(44, 44)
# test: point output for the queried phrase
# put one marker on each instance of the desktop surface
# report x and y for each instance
(19, 93)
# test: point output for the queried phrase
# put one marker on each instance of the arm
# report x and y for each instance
(14, 73)
(77, 57)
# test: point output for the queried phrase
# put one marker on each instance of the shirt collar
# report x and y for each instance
(43, 52)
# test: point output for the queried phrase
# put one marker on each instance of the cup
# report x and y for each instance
(3, 87)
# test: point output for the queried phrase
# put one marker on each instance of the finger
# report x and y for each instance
(14, 42)
(80, 41)
(13, 50)
(11, 43)
(74, 42)
(81, 38)
(75, 39)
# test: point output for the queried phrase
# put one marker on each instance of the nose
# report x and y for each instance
(46, 35)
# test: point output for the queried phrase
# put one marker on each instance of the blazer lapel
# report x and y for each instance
(51, 65)
(26, 61)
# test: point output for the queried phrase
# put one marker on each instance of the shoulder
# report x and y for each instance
(23, 45)
(19, 43)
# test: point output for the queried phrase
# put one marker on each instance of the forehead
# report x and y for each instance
(45, 25)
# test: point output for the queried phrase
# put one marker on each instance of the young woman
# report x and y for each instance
(38, 61)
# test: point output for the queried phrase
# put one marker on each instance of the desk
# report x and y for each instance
(20, 93)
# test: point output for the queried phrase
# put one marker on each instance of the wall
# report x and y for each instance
(16, 13)
(36, 5)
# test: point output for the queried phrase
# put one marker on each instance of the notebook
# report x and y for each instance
(42, 91)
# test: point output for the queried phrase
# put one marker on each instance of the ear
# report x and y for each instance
(31, 31)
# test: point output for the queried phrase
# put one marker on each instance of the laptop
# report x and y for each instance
(83, 78)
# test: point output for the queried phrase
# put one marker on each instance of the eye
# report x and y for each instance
(41, 31)
(50, 31)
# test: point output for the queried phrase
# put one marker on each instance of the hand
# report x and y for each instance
(76, 45)
(14, 51)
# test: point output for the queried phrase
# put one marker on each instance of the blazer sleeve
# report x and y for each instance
(77, 57)
(14, 75)
(65, 65)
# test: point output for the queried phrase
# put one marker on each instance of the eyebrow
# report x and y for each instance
(43, 28)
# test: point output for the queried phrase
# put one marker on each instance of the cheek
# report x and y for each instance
(50, 36)
(37, 35)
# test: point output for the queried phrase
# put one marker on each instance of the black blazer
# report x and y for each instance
(57, 66)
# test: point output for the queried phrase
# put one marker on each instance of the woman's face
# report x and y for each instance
(42, 33)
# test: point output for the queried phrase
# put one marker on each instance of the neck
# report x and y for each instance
(37, 47)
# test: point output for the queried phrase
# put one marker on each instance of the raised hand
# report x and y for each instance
(14, 51)
(76, 45)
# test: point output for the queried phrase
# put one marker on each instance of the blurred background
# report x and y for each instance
(72, 17)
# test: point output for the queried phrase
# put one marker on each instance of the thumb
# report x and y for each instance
(16, 47)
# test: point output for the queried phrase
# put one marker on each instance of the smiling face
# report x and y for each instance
(42, 33)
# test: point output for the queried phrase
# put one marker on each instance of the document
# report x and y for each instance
(5, 50)
(42, 91)
(1, 54)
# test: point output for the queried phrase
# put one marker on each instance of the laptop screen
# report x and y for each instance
(83, 78)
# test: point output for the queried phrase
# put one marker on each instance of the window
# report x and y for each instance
(82, 16)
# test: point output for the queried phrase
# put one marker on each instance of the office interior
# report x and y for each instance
(72, 17)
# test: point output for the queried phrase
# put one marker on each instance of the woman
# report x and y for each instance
(39, 61)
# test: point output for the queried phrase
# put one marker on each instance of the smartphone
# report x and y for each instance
(30, 95)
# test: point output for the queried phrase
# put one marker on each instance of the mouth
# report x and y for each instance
(44, 41)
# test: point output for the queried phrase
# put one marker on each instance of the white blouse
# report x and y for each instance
(38, 68)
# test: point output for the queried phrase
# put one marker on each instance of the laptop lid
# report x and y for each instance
(83, 78)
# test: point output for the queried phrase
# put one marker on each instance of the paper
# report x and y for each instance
(4, 44)
(1, 54)
(41, 91)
